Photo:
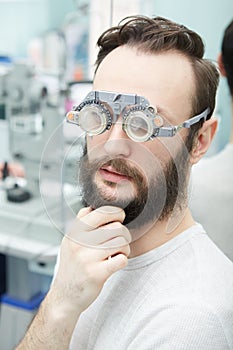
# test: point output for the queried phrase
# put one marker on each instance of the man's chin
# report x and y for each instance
(122, 192)
(115, 199)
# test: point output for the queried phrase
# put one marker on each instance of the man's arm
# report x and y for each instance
(81, 275)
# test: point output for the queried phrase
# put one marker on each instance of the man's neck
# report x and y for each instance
(160, 233)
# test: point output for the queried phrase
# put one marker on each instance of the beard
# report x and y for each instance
(153, 199)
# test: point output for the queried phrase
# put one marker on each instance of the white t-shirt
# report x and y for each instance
(211, 200)
(177, 296)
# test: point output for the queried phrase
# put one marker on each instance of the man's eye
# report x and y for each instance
(138, 123)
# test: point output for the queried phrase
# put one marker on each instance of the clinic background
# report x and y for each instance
(58, 37)
(23, 22)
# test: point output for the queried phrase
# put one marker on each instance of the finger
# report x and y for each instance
(90, 255)
(83, 212)
(113, 230)
(99, 237)
(102, 216)
(118, 245)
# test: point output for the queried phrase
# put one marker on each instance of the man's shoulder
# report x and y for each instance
(211, 263)
(198, 271)
(191, 319)
(212, 275)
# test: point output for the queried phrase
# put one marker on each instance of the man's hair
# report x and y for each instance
(227, 54)
(156, 35)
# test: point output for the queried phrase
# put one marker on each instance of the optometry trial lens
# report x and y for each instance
(101, 109)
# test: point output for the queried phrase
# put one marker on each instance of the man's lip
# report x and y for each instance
(108, 173)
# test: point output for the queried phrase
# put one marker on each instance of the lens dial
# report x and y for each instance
(138, 125)
(94, 118)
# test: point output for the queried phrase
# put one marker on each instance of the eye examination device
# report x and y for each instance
(140, 121)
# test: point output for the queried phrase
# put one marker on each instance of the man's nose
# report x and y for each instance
(118, 143)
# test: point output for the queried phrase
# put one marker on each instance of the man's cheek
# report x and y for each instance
(95, 147)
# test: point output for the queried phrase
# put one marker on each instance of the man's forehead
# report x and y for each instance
(165, 79)
(128, 63)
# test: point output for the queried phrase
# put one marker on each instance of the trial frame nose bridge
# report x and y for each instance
(115, 100)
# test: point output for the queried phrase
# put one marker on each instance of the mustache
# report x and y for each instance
(96, 197)
(120, 165)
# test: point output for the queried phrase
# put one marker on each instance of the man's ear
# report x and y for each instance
(204, 138)
(221, 65)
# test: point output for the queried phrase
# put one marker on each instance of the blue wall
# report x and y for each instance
(22, 20)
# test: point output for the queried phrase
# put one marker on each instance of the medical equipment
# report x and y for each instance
(35, 108)
(140, 121)
(33, 112)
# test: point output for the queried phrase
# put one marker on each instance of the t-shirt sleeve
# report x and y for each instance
(180, 328)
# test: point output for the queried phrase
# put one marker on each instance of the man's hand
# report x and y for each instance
(82, 272)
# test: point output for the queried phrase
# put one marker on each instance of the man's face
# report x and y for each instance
(142, 178)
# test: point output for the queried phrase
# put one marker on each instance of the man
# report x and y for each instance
(135, 274)
(211, 179)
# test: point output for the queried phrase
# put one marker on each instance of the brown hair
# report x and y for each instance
(152, 35)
